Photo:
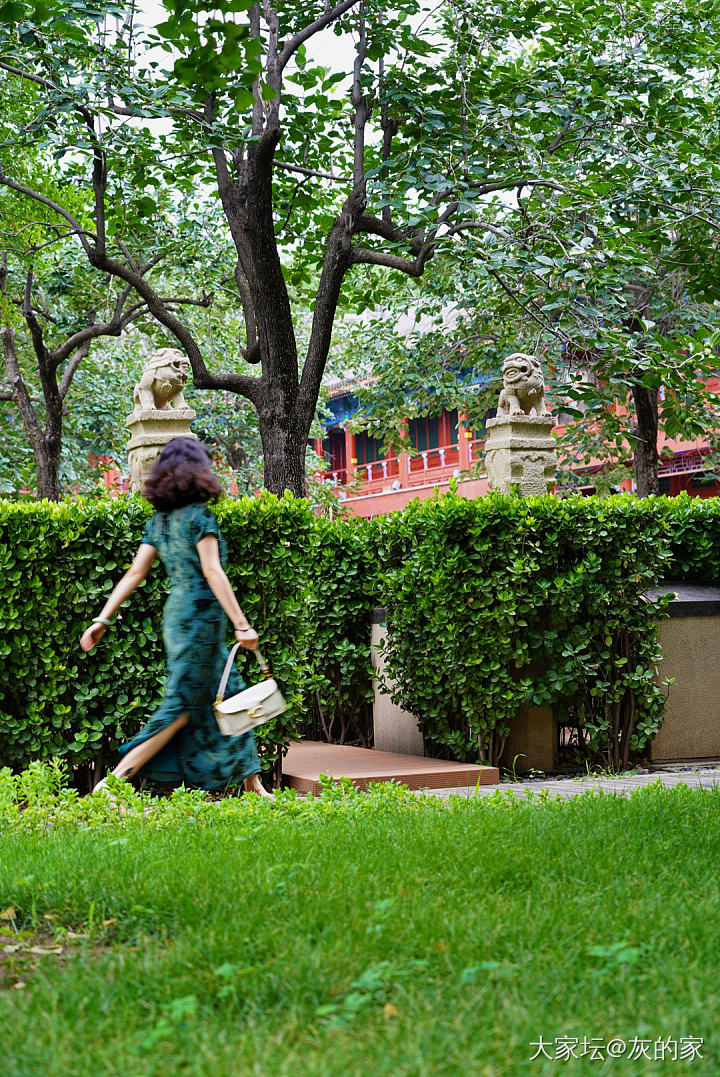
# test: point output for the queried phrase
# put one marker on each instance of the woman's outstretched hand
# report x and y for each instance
(247, 637)
(92, 635)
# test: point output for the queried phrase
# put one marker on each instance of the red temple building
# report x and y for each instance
(444, 448)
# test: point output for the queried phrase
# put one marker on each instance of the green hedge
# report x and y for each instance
(489, 603)
(58, 562)
(500, 601)
(693, 538)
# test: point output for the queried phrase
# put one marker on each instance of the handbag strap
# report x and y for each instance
(228, 666)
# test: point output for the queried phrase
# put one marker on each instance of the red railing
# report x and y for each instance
(682, 464)
(378, 471)
(430, 465)
(431, 460)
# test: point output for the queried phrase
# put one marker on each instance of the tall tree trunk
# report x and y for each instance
(47, 464)
(247, 201)
(284, 457)
(46, 445)
(646, 452)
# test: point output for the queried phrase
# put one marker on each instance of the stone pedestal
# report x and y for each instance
(520, 454)
(150, 431)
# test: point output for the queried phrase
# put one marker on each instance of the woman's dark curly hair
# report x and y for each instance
(181, 474)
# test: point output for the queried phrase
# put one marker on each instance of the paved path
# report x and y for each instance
(567, 787)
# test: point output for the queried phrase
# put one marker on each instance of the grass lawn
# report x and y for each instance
(376, 936)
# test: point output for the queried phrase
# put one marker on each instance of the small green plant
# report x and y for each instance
(512, 770)
(373, 989)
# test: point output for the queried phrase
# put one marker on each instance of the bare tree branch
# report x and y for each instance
(133, 113)
(124, 248)
(77, 227)
(361, 256)
(69, 371)
(237, 383)
(251, 340)
(361, 111)
(35, 248)
(311, 172)
(484, 226)
(296, 190)
(33, 324)
(561, 133)
(19, 389)
(258, 113)
(114, 327)
(46, 83)
(374, 226)
(389, 125)
(295, 42)
(6, 396)
(526, 306)
(481, 187)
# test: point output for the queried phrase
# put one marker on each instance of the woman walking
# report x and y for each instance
(181, 741)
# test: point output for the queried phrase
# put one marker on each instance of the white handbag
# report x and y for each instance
(252, 706)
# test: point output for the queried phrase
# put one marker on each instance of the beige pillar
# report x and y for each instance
(395, 730)
(149, 434)
(160, 414)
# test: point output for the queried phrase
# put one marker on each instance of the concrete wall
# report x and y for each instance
(691, 654)
(532, 739)
(395, 729)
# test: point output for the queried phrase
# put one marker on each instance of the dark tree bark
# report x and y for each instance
(46, 443)
(646, 435)
(645, 400)
(45, 439)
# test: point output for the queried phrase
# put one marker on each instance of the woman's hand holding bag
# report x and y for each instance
(247, 637)
(251, 707)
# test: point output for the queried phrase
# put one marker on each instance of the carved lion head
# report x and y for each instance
(168, 365)
(520, 369)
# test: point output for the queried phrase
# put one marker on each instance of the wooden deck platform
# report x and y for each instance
(307, 759)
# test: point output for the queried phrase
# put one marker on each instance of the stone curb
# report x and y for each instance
(568, 787)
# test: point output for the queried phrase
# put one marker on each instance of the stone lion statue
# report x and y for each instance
(523, 386)
(162, 383)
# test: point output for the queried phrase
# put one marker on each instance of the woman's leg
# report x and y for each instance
(137, 757)
(254, 785)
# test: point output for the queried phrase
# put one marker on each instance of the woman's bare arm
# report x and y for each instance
(219, 584)
(122, 590)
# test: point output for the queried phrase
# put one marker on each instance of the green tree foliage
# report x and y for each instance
(323, 176)
(54, 308)
(613, 274)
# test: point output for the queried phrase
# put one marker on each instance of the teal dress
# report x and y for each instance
(194, 626)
